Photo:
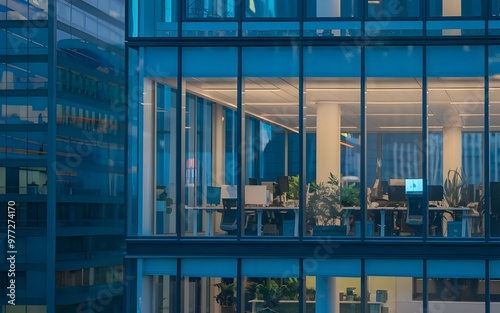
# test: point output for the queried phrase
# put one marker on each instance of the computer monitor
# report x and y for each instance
(213, 195)
(252, 181)
(414, 186)
(229, 191)
(282, 185)
(435, 193)
(396, 193)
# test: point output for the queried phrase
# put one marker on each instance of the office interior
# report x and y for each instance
(331, 285)
(427, 116)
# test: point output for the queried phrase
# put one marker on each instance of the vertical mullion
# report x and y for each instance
(486, 148)
(181, 147)
(424, 144)
(302, 147)
(363, 213)
(240, 130)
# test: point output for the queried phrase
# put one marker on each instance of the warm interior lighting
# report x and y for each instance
(247, 89)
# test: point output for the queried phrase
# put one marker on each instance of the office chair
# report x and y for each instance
(229, 220)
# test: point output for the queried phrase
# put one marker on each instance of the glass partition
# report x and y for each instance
(216, 9)
(335, 8)
(394, 140)
(394, 285)
(270, 99)
(270, 285)
(333, 285)
(494, 141)
(332, 89)
(494, 285)
(387, 10)
(210, 140)
(158, 291)
(455, 97)
(456, 286)
(270, 9)
(209, 285)
(159, 131)
(154, 18)
(455, 8)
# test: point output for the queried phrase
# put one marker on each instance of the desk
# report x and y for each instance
(258, 209)
(355, 307)
(382, 215)
(466, 231)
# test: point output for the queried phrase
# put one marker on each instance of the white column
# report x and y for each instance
(328, 8)
(452, 8)
(327, 141)
(218, 143)
(452, 149)
(326, 295)
(149, 149)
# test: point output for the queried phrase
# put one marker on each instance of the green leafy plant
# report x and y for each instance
(455, 188)
(293, 187)
(324, 204)
(161, 195)
(226, 296)
(350, 196)
(270, 292)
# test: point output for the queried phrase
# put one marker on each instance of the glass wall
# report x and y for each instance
(209, 285)
(395, 285)
(270, 99)
(455, 97)
(158, 103)
(332, 97)
(270, 285)
(270, 8)
(494, 141)
(154, 18)
(394, 139)
(454, 285)
(333, 285)
(210, 140)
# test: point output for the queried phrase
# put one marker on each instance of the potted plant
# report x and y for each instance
(226, 297)
(324, 208)
(350, 196)
(270, 292)
(455, 189)
(163, 202)
(163, 206)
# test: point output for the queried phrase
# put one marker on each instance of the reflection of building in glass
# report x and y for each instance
(379, 118)
(62, 125)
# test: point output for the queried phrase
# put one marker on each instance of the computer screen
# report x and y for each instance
(282, 185)
(435, 193)
(414, 186)
(213, 195)
(397, 193)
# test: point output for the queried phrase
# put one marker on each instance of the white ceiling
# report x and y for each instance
(393, 104)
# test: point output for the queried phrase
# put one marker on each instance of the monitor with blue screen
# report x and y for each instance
(414, 186)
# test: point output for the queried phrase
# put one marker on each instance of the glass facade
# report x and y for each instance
(62, 126)
(334, 156)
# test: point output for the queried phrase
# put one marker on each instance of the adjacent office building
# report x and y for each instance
(62, 155)
(383, 116)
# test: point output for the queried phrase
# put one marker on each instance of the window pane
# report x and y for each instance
(270, 8)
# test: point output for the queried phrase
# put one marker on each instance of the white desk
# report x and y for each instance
(466, 219)
(259, 210)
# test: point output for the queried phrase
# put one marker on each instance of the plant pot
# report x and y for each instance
(226, 309)
(331, 230)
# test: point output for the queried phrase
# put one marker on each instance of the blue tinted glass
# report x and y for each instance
(270, 8)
